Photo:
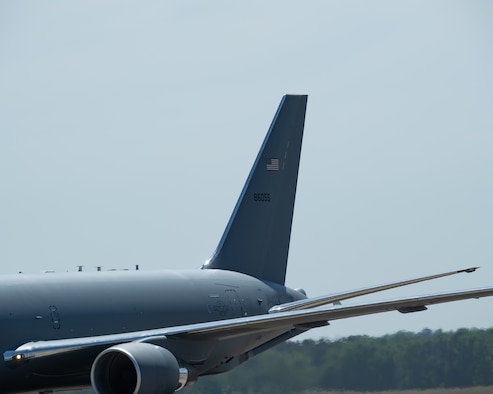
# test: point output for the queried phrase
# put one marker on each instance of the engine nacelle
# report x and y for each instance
(132, 368)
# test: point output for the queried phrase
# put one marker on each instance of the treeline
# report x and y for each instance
(429, 359)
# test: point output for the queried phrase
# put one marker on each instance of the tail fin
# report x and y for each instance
(256, 239)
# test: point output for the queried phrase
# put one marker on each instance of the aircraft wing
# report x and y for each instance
(337, 297)
(300, 319)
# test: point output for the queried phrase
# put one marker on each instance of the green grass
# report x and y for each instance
(468, 390)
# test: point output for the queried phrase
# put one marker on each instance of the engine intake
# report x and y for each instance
(132, 368)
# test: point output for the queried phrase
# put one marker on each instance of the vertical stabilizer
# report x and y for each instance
(256, 239)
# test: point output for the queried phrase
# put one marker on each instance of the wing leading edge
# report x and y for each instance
(304, 319)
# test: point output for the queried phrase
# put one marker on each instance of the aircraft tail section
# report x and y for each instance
(256, 239)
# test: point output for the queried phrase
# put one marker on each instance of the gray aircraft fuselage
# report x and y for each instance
(83, 304)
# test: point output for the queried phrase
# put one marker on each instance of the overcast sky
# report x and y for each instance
(127, 130)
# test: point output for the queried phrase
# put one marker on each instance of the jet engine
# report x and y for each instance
(137, 367)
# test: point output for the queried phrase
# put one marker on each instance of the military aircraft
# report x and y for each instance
(157, 332)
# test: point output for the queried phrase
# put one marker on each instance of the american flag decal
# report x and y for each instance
(272, 164)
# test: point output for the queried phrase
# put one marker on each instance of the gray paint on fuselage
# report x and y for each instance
(100, 303)
(82, 304)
